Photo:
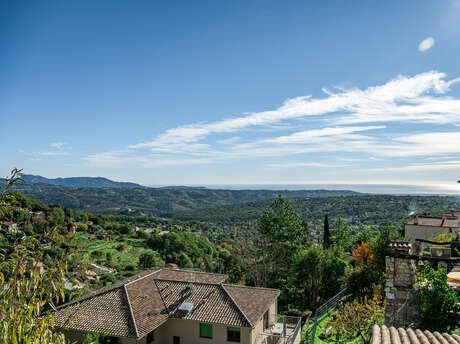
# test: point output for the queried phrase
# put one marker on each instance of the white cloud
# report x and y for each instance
(312, 135)
(401, 99)
(121, 158)
(455, 165)
(229, 140)
(51, 153)
(58, 145)
(328, 124)
(306, 164)
(426, 44)
(440, 143)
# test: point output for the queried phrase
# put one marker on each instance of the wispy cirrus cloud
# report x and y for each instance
(306, 164)
(393, 98)
(54, 149)
(58, 145)
(353, 120)
(441, 165)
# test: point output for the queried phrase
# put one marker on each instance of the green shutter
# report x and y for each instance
(205, 330)
(235, 329)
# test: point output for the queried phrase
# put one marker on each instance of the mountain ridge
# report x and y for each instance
(97, 182)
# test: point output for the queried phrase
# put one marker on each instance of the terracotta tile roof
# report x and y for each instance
(147, 306)
(211, 303)
(253, 302)
(137, 305)
(434, 221)
(385, 335)
(190, 276)
(109, 311)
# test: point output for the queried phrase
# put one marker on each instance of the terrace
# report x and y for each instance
(283, 330)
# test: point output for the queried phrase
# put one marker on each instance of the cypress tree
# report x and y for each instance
(326, 234)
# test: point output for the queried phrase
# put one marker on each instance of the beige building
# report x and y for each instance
(426, 227)
(178, 307)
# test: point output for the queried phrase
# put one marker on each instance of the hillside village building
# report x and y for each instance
(426, 227)
(11, 227)
(176, 307)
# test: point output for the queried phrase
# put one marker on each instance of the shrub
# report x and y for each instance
(437, 298)
(149, 259)
(356, 318)
(122, 247)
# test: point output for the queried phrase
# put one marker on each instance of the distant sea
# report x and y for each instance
(391, 189)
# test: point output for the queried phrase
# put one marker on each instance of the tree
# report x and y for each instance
(281, 225)
(313, 269)
(26, 297)
(326, 234)
(149, 259)
(363, 254)
(341, 235)
(356, 318)
(283, 236)
(437, 298)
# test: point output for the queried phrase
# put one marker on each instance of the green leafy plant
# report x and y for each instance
(26, 295)
(356, 318)
(437, 298)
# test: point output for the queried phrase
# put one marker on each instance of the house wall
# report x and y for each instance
(259, 326)
(425, 232)
(189, 333)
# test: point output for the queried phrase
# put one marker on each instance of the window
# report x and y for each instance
(176, 340)
(150, 337)
(205, 330)
(233, 334)
(266, 320)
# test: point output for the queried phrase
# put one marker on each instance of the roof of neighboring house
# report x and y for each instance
(109, 311)
(252, 301)
(139, 304)
(434, 221)
(385, 335)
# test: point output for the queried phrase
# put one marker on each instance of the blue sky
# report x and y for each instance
(232, 92)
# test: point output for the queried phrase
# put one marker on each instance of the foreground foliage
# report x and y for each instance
(26, 296)
(356, 318)
(437, 298)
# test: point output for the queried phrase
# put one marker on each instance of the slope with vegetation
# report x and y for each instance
(155, 201)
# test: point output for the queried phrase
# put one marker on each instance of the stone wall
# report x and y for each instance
(400, 280)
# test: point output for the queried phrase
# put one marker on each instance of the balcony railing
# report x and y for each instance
(285, 330)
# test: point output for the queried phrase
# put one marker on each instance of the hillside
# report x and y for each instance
(157, 201)
(78, 182)
(358, 211)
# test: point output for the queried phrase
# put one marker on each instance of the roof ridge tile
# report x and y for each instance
(131, 311)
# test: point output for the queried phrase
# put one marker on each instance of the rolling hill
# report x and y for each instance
(156, 201)
(78, 182)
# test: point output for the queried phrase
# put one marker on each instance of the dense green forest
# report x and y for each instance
(358, 211)
(155, 201)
